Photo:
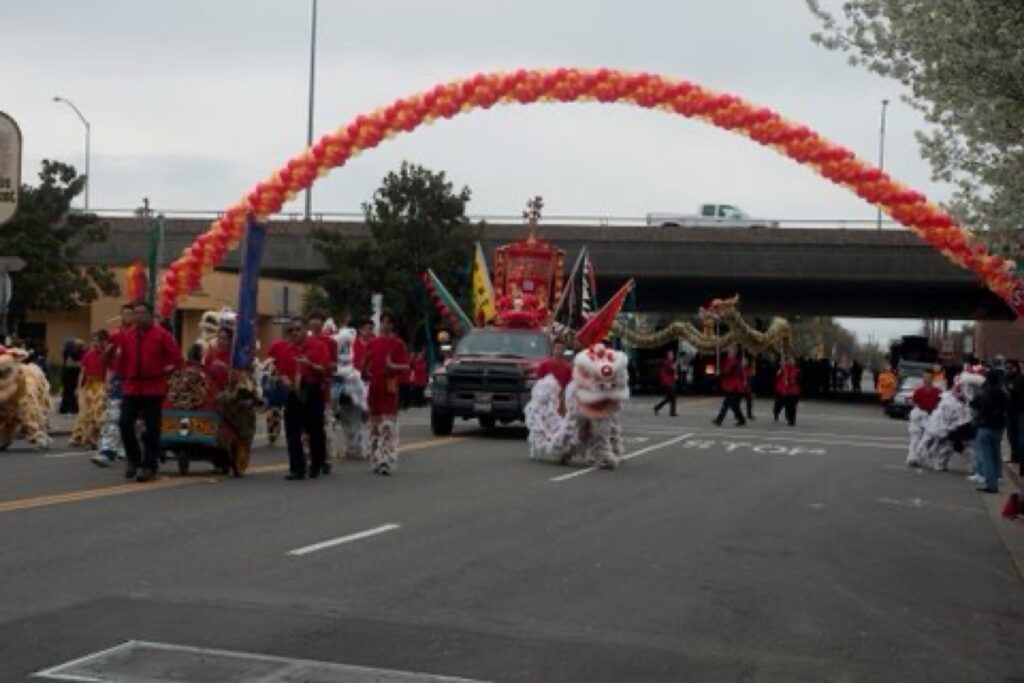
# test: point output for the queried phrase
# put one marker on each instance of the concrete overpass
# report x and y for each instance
(869, 273)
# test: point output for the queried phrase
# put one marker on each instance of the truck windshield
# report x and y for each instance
(516, 345)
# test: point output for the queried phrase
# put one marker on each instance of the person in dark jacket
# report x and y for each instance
(1015, 412)
(668, 378)
(72, 355)
(989, 411)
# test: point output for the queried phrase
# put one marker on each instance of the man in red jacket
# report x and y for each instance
(732, 383)
(787, 390)
(146, 355)
(668, 378)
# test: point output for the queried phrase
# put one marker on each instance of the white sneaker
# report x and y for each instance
(976, 478)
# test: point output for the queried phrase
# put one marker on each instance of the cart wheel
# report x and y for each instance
(241, 461)
(183, 462)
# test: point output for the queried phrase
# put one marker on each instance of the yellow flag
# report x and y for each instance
(484, 309)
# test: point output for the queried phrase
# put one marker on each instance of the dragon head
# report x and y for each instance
(10, 371)
(602, 381)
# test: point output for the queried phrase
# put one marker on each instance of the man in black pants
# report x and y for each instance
(303, 364)
(146, 354)
(731, 381)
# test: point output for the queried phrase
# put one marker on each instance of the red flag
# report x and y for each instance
(598, 327)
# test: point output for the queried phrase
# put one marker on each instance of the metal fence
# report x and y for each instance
(510, 219)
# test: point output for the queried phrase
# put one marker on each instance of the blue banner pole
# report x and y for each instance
(243, 348)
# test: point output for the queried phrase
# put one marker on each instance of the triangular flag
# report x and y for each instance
(598, 327)
(484, 308)
(445, 301)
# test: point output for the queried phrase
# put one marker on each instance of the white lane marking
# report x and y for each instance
(192, 659)
(920, 503)
(382, 529)
(860, 444)
(628, 456)
(797, 434)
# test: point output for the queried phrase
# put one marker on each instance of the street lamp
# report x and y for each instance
(312, 87)
(88, 179)
(881, 152)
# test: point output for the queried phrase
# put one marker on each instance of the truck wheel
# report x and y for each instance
(441, 422)
(487, 422)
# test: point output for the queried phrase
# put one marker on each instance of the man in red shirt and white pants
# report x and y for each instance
(147, 354)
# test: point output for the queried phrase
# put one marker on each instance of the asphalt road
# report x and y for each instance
(766, 553)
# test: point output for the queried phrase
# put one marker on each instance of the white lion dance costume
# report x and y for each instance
(24, 401)
(348, 402)
(590, 424)
(936, 437)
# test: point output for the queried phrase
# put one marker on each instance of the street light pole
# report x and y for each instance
(881, 152)
(88, 178)
(312, 90)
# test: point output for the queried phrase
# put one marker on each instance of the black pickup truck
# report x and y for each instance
(489, 377)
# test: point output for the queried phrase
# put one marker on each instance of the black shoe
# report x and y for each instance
(655, 411)
(751, 417)
(326, 469)
(673, 415)
(145, 474)
(717, 423)
(313, 473)
(741, 424)
(291, 476)
(130, 471)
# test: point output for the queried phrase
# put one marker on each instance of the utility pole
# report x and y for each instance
(881, 153)
(312, 91)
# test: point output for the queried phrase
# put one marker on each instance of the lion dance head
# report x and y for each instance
(602, 381)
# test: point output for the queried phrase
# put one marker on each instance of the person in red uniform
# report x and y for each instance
(302, 365)
(668, 378)
(556, 365)
(787, 390)
(364, 333)
(383, 363)
(927, 396)
(217, 359)
(315, 320)
(146, 355)
(420, 379)
(731, 382)
(747, 365)
(92, 393)
(110, 433)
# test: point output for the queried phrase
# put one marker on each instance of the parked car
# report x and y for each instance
(724, 215)
(902, 403)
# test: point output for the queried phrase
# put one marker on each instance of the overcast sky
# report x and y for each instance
(191, 102)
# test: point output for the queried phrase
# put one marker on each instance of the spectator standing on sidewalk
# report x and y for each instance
(989, 409)
(856, 376)
(668, 378)
(147, 355)
(887, 385)
(1015, 412)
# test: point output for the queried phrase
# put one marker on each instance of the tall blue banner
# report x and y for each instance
(244, 348)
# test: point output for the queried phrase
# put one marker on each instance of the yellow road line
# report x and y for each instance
(168, 482)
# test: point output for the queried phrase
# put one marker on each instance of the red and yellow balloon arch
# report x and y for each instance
(650, 91)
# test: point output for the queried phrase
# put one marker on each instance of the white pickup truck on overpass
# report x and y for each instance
(724, 215)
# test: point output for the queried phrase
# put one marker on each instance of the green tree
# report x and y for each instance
(963, 62)
(417, 221)
(50, 238)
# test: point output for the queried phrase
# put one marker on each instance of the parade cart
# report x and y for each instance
(202, 423)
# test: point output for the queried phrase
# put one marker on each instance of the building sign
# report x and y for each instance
(10, 167)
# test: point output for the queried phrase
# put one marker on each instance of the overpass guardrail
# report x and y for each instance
(510, 219)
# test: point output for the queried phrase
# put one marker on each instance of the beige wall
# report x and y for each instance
(218, 290)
